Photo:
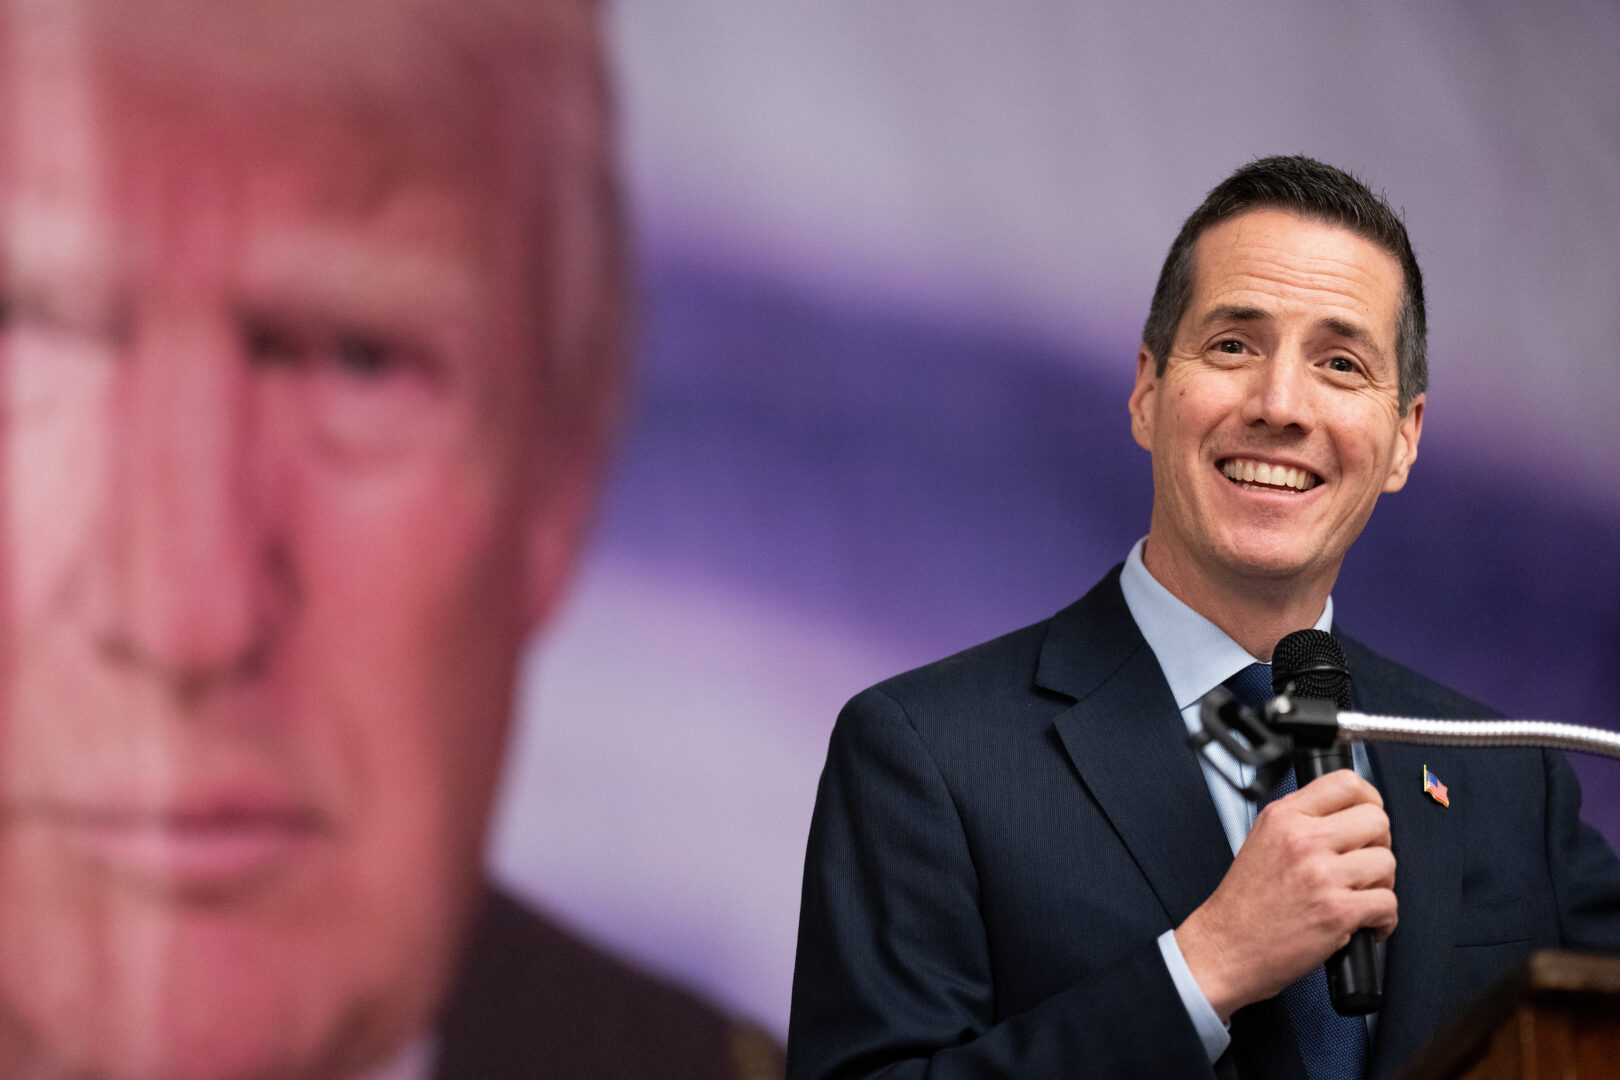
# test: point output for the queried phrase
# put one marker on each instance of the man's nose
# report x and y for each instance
(189, 569)
(1278, 393)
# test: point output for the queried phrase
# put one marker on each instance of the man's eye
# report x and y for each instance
(49, 363)
(365, 357)
(273, 345)
(361, 356)
(1342, 363)
(1230, 345)
(364, 397)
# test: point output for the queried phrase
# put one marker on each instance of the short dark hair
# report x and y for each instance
(1318, 192)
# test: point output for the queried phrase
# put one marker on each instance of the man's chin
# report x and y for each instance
(155, 1043)
(1262, 566)
(151, 1056)
(198, 998)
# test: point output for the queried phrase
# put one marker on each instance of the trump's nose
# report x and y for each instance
(188, 569)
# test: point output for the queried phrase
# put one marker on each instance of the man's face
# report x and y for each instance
(1276, 424)
(266, 434)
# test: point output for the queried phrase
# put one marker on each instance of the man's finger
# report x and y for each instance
(1366, 868)
(1360, 826)
(1332, 792)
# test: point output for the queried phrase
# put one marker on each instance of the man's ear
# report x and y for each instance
(1142, 397)
(1407, 433)
(554, 531)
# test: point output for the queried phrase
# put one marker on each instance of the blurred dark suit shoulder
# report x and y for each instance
(534, 1001)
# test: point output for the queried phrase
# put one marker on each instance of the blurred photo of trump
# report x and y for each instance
(310, 332)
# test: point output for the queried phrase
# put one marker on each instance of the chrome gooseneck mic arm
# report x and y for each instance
(1365, 727)
(1265, 739)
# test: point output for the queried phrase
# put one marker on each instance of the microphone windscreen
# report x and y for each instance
(1314, 663)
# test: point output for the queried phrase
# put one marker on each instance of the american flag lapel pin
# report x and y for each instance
(1434, 789)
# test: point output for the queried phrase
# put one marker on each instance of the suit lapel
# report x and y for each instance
(1126, 740)
(1427, 841)
(1128, 743)
(1426, 838)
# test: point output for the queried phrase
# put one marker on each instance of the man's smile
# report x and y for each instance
(1256, 475)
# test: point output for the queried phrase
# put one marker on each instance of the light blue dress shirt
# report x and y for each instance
(1196, 656)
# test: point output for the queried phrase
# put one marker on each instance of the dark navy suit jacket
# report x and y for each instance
(534, 1002)
(1000, 837)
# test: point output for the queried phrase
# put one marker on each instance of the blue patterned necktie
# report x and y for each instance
(1334, 1047)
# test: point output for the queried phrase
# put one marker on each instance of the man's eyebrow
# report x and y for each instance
(1350, 332)
(1227, 313)
(360, 277)
(1344, 328)
(62, 265)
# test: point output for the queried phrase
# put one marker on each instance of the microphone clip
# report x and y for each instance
(1263, 739)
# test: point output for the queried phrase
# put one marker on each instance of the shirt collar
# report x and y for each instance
(1195, 655)
(415, 1061)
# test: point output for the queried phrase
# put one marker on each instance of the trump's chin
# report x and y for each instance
(177, 990)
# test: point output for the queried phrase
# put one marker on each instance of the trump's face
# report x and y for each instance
(273, 533)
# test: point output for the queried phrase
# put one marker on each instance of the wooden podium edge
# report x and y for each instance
(1541, 975)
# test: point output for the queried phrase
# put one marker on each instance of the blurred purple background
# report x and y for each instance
(894, 260)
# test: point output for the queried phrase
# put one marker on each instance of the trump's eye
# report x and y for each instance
(57, 351)
(355, 354)
(361, 396)
(367, 357)
(270, 345)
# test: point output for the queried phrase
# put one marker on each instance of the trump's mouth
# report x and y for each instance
(1264, 476)
(213, 852)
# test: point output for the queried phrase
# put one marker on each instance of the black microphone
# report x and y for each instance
(1310, 664)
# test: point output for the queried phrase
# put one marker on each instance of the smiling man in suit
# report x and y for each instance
(1017, 867)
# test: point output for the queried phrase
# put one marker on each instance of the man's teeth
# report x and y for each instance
(1258, 472)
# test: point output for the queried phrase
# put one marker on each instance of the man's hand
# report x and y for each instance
(1315, 868)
